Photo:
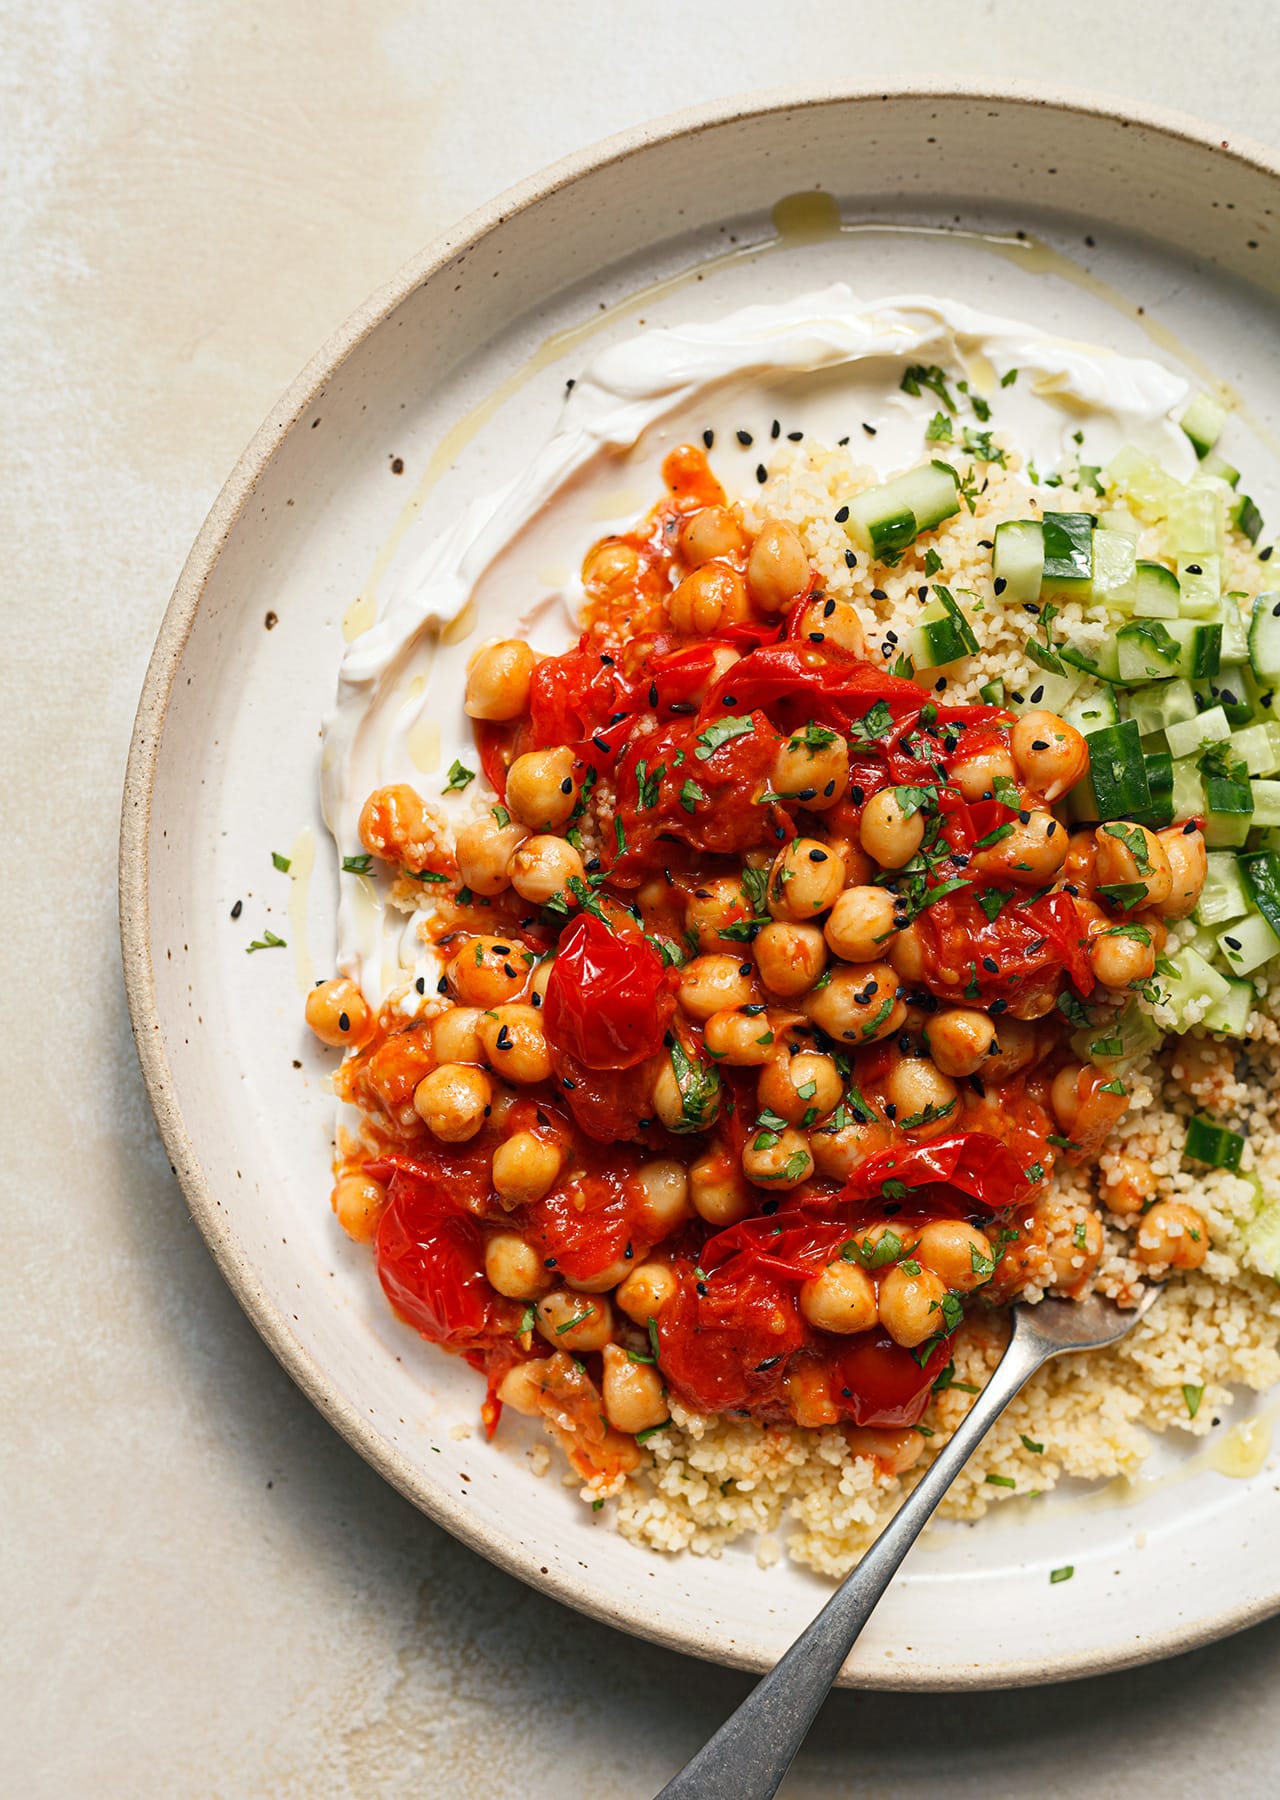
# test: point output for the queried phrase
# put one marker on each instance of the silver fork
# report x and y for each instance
(754, 1748)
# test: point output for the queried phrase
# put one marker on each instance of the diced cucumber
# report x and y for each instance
(1193, 522)
(1248, 943)
(1127, 1038)
(1146, 650)
(1049, 692)
(1115, 566)
(1217, 465)
(1223, 896)
(1231, 1015)
(1160, 785)
(1102, 661)
(1224, 830)
(1261, 1239)
(1200, 585)
(1156, 592)
(1266, 802)
(1259, 745)
(1188, 790)
(1235, 630)
(992, 691)
(1190, 735)
(1260, 871)
(1117, 778)
(1228, 689)
(943, 635)
(1141, 480)
(1119, 518)
(1202, 421)
(1068, 556)
(891, 516)
(1246, 518)
(1227, 790)
(1199, 653)
(1191, 983)
(1208, 1142)
(1091, 711)
(1017, 560)
(1264, 637)
(1157, 707)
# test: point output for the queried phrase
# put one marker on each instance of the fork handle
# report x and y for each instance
(752, 1751)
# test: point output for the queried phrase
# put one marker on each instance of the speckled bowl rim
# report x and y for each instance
(134, 894)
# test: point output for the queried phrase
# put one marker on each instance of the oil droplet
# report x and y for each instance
(806, 218)
(423, 745)
(625, 504)
(360, 615)
(457, 630)
(1243, 1450)
(302, 858)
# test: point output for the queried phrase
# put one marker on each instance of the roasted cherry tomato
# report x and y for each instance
(608, 997)
(431, 1265)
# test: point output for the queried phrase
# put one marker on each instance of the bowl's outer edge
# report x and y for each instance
(134, 875)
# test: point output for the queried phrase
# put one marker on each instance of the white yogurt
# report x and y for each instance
(826, 363)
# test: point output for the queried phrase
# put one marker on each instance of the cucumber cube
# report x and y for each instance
(1017, 560)
(1068, 555)
(1200, 584)
(1203, 421)
(1248, 943)
(1190, 735)
(1115, 567)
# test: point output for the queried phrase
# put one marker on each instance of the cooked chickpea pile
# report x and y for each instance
(819, 1005)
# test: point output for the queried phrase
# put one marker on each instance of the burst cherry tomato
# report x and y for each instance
(608, 998)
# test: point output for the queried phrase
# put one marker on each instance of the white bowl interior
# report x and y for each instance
(241, 1089)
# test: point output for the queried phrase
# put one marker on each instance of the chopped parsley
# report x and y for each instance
(360, 865)
(459, 777)
(1193, 1395)
(268, 941)
(921, 375)
(1031, 1444)
(1063, 1574)
(723, 731)
(690, 794)
(283, 863)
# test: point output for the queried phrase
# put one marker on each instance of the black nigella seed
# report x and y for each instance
(1024, 818)
(701, 1287)
(762, 474)
(975, 1082)
(940, 685)
(985, 544)
(509, 972)
(990, 964)
(237, 909)
(998, 1006)
(653, 693)
(850, 560)
(1068, 888)
(344, 1023)
(869, 429)
(817, 637)
(1000, 584)
(549, 1262)
(566, 1083)
(807, 794)
(442, 986)
(890, 1110)
(793, 437)
(535, 1000)
(683, 706)
(566, 786)
(606, 660)
(708, 438)
(729, 700)
(1031, 607)
(1194, 569)
(949, 744)
(1037, 694)
(1039, 744)
(922, 593)
(829, 789)
(746, 968)
(842, 515)
(1189, 827)
(879, 594)
(817, 856)
(775, 430)
(744, 438)
(1232, 943)
(601, 744)
(421, 984)
(593, 866)
(857, 795)
(1265, 555)
(504, 1038)
(828, 609)
(890, 637)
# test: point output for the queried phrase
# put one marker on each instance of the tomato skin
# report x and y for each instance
(608, 997)
(968, 1162)
(431, 1265)
(876, 1382)
(587, 1224)
(1031, 946)
(712, 1345)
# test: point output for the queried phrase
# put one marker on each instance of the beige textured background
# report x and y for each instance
(204, 1591)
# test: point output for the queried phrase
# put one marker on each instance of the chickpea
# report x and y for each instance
(911, 1305)
(575, 1321)
(634, 1399)
(686, 1095)
(790, 958)
(923, 1097)
(713, 907)
(1031, 854)
(887, 833)
(611, 566)
(722, 660)
(542, 788)
(743, 1039)
(1080, 868)
(521, 1388)
(804, 881)
(359, 1201)
(543, 866)
(514, 1268)
(719, 1193)
(960, 1040)
(782, 1163)
(862, 921)
(538, 979)
(454, 1036)
(604, 1280)
(807, 1385)
(485, 851)
(338, 1013)
(838, 1149)
(858, 1005)
(1065, 1097)
(1185, 853)
(1063, 1247)
(396, 827)
(453, 1101)
(711, 595)
(498, 681)
(958, 1253)
(897, 1451)
(712, 531)
(1127, 1184)
(812, 767)
(906, 953)
(525, 1168)
(976, 775)
(1120, 958)
(487, 971)
(515, 1045)
(1132, 854)
(836, 622)
(708, 984)
(1051, 755)
(777, 568)
(901, 1234)
(841, 1299)
(665, 1186)
(1015, 1048)
(1171, 1233)
(800, 1087)
(646, 1291)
